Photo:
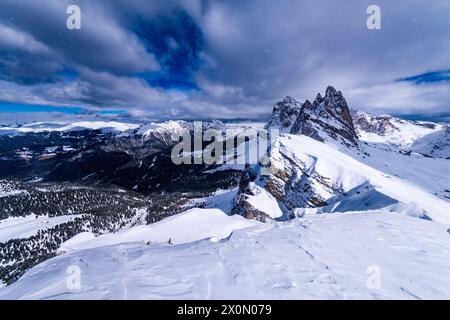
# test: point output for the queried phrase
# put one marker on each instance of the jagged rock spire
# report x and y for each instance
(284, 114)
(318, 99)
(327, 117)
(330, 91)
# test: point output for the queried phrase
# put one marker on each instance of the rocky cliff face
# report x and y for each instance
(326, 118)
(381, 125)
(284, 114)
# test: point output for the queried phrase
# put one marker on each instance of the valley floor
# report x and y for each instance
(328, 256)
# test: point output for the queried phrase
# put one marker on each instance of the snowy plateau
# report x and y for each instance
(345, 193)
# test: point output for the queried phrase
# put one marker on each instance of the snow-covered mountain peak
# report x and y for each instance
(289, 101)
(165, 131)
(331, 94)
(284, 114)
(436, 144)
(307, 104)
(381, 125)
(66, 126)
(336, 105)
(167, 126)
(299, 176)
(390, 130)
(330, 91)
(305, 174)
(327, 118)
(318, 100)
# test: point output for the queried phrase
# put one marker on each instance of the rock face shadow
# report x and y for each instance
(360, 198)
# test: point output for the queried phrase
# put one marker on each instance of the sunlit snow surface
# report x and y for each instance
(320, 257)
(24, 227)
(108, 126)
(347, 172)
(189, 226)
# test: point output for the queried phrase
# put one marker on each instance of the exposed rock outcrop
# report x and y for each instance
(326, 118)
(284, 114)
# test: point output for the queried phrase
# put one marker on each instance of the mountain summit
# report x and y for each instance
(284, 114)
(327, 117)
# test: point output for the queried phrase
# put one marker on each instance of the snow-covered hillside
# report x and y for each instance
(344, 173)
(192, 225)
(24, 227)
(107, 126)
(318, 257)
(436, 144)
(390, 130)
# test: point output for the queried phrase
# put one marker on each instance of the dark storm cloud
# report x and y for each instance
(101, 44)
(224, 59)
(299, 47)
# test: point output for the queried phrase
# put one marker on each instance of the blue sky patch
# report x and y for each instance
(176, 42)
(429, 77)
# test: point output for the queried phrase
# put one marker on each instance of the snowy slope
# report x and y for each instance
(406, 134)
(192, 225)
(390, 130)
(221, 199)
(422, 171)
(168, 129)
(436, 144)
(107, 126)
(24, 227)
(342, 172)
(263, 201)
(318, 257)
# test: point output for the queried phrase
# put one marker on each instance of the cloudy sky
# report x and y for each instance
(153, 59)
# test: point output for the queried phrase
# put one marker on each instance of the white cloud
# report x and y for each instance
(402, 98)
(16, 39)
